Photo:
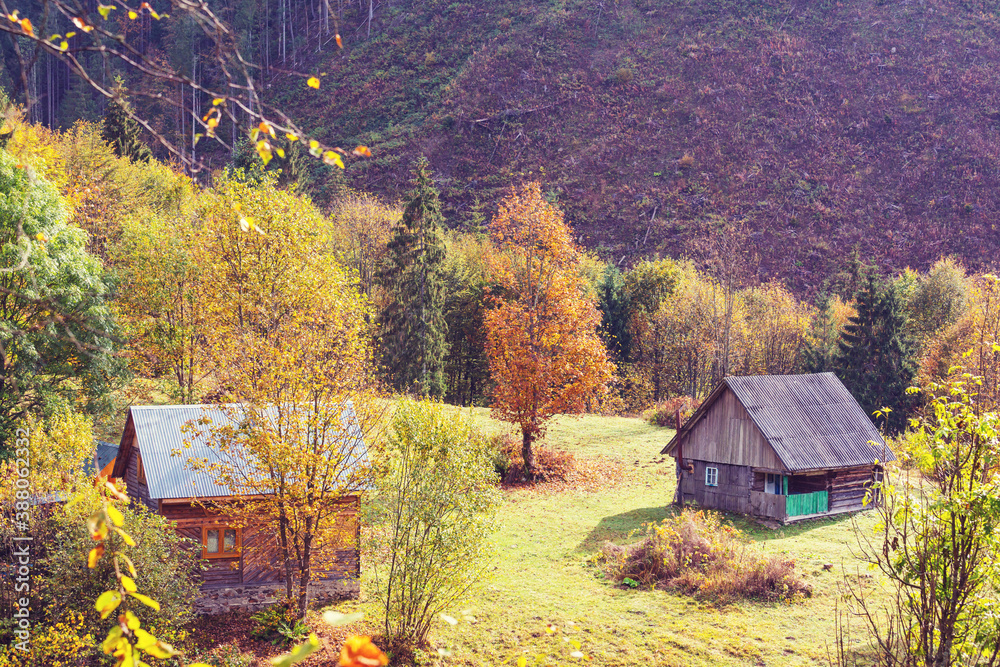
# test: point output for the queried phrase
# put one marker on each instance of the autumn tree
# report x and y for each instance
(289, 343)
(776, 324)
(413, 327)
(57, 334)
(160, 302)
(544, 353)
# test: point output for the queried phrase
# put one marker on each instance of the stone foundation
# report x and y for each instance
(255, 598)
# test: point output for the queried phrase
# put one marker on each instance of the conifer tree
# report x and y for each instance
(822, 344)
(121, 132)
(875, 359)
(615, 306)
(413, 325)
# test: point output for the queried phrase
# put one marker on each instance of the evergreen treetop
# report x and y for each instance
(413, 325)
(874, 357)
(121, 132)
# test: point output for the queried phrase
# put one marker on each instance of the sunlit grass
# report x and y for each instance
(543, 574)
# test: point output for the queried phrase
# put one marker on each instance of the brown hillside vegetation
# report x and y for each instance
(826, 126)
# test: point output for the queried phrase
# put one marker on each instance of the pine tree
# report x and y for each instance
(821, 347)
(875, 359)
(615, 308)
(413, 325)
(121, 132)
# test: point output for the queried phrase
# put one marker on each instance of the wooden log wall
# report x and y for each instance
(260, 561)
(731, 493)
(848, 488)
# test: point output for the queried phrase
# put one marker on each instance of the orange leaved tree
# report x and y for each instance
(544, 352)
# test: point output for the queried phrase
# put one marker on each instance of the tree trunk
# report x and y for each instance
(528, 455)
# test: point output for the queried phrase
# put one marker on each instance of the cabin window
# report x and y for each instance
(774, 484)
(142, 470)
(220, 541)
(711, 476)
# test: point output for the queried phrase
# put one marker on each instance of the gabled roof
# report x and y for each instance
(158, 435)
(811, 421)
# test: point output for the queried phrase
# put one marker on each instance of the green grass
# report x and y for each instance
(543, 574)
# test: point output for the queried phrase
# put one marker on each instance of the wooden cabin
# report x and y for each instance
(243, 569)
(782, 447)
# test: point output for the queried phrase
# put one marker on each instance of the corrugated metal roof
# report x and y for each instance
(161, 442)
(811, 421)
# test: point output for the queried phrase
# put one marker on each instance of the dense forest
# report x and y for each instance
(821, 128)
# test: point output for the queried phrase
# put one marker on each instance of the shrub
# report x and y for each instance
(436, 495)
(551, 465)
(662, 414)
(66, 643)
(277, 624)
(696, 554)
(163, 559)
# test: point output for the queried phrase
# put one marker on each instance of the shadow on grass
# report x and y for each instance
(618, 527)
(762, 533)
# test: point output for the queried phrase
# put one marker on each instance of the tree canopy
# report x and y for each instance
(57, 333)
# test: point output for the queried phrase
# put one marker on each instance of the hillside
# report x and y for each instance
(827, 127)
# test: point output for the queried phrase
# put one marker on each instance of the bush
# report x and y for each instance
(166, 565)
(551, 465)
(63, 644)
(663, 413)
(436, 496)
(696, 554)
(277, 624)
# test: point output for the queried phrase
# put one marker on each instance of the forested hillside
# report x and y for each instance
(823, 128)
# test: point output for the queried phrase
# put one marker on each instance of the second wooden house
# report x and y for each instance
(244, 569)
(783, 447)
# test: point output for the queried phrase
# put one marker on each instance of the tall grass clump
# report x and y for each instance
(696, 554)
(664, 413)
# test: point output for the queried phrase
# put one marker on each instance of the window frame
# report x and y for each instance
(711, 476)
(222, 528)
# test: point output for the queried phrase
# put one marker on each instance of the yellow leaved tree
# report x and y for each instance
(544, 353)
(288, 340)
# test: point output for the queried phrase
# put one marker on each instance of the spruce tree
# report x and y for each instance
(616, 309)
(821, 349)
(121, 132)
(875, 359)
(413, 326)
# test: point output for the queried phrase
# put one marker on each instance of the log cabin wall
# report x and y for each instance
(726, 434)
(848, 487)
(134, 489)
(260, 562)
(730, 495)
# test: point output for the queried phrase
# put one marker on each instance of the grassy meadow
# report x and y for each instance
(544, 574)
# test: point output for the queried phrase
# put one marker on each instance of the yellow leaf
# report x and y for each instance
(105, 10)
(340, 43)
(362, 151)
(94, 556)
(63, 45)
(41, 237)
(107, 602)
(217, 101)
(280, 152)
(132, 15)
(128, 584)
(332, 159)
(265, 128)
(292, 137)
(28, 29)
(115, 515)
(148, 601)
(131, 621)
(126, 537)
(312, 82)
(264, 151)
